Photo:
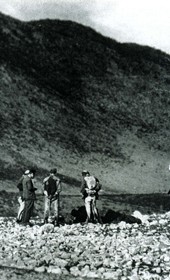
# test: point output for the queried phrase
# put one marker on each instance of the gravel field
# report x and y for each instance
(110, 251)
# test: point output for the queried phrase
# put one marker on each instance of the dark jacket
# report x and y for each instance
(28, 189)
(20, 185)
(52, 185)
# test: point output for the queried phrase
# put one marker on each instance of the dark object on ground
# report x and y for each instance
(80, 216)
(113, 216)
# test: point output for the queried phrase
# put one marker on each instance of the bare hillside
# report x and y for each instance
(75, 99)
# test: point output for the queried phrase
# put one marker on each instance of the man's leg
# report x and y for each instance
(28, 210)
(94, 209)
(46, 209)
(21, 209)
(56, 211)
(88, 207)
(96, 215)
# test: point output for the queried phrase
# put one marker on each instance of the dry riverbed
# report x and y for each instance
(110, 251)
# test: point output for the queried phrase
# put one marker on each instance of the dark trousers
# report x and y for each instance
(28, 210)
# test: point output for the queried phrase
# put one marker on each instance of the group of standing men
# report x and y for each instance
(90, 187)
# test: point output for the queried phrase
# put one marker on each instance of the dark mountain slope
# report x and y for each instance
(71, 97)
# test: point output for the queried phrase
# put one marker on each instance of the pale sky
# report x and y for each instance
(145, 22)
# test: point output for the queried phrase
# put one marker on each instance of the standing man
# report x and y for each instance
(52, 189)
(28, 196)
(20, 198)
(89, 188)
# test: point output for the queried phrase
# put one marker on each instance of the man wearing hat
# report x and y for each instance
(20, 198)
(28, 196)
(52, 189)
(89, 188)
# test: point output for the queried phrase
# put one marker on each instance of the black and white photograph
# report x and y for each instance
(84, 139)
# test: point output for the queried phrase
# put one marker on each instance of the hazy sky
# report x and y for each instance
(146, 22)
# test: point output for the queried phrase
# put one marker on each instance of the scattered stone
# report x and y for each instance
(40, 269)
(110, 251)
(55, 270)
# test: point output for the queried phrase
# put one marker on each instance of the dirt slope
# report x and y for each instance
(74, 99)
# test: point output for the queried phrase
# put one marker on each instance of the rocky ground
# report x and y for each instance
(109, 251)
